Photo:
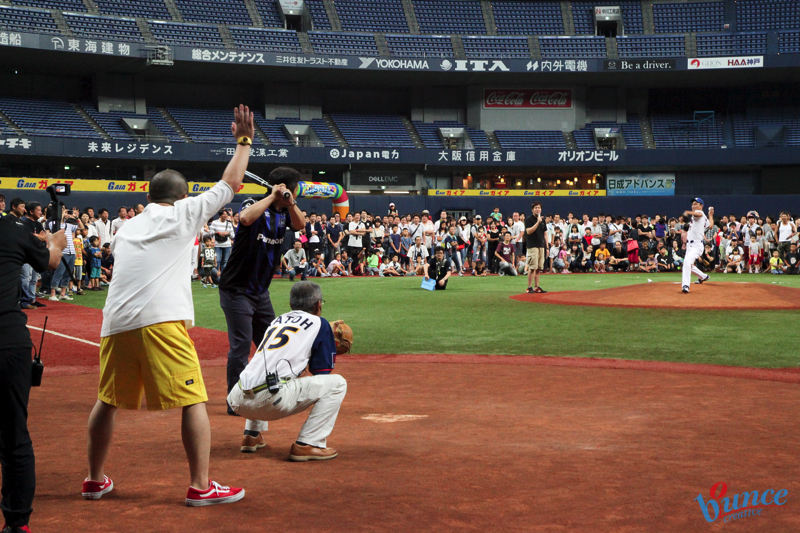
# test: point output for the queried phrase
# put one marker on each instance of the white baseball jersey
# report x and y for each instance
(293, 341)
(697, 229)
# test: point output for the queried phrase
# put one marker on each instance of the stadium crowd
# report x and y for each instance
(395, 244)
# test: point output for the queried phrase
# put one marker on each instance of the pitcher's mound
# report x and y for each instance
(711, 295)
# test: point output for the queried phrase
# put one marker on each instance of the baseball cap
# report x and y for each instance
(478, 216)
(462, 218)
(699, 201)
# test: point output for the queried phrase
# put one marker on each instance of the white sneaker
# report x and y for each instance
(65, 297)
(53, 298)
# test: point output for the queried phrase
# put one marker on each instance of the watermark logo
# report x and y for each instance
(746, 504)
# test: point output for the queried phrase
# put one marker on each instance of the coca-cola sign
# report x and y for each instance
(527, 98)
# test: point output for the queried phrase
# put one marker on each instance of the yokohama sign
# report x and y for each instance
(527, 98)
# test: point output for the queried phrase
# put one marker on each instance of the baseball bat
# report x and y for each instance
(260, 181)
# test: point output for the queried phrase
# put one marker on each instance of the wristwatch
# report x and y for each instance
(244, 141)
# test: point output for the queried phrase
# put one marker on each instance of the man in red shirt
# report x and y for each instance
(505, 256)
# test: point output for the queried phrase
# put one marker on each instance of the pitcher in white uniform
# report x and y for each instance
(694, 242)
(270, 388)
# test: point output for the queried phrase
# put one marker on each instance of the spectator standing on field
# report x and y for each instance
(537, 244)
(786, 232)
(222, 230)
(119, 221)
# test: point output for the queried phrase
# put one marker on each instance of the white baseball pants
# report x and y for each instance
(693, 253)
(325, 392)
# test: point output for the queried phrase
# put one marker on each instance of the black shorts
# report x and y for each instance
(207, 271)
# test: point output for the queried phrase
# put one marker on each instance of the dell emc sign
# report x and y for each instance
(378, 178)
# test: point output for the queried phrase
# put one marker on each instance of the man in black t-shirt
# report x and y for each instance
(537, 243)
(438, 267)
(18, 246)
(792, 260)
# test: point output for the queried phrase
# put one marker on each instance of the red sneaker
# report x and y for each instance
(18, 529)
(94, 490)
(215, 494)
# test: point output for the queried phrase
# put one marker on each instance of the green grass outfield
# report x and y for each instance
(476, 316)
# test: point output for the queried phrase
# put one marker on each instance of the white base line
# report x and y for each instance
(67, 336)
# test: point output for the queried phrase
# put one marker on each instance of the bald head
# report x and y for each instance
(167, 187)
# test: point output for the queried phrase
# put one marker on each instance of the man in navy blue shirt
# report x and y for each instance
(256, 255)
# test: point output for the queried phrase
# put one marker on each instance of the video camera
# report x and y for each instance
(56, 190)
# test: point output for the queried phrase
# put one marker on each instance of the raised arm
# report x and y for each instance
(241, 128)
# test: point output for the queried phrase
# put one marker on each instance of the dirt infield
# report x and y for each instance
(444, 448)
(712, 295)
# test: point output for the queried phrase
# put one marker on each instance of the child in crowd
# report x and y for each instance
(209, 262)
(601, 256)
(792, 260)
(77, 241)
(96, 256)
(317, 267)
(335, 267)
(480, 268)
(388, 269)
(405, 244)
(563, 257)
(373, 263)
(776, 264)
(734, 260)
(650, 265)
(394, 241)
(756, 255)
(347, 264)
(662, 259)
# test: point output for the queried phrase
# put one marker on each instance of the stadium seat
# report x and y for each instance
(450, 17)
(528, 18)
(760, 15)
(367, 131)
(94, 27)
(572, 47)
(147, 9)
(420, 45)
(27, 20)
(496, 47)
(383, 16)
(266, 39)
(689, 17)
(339, 43)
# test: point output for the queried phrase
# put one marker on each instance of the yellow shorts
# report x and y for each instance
(535, 258)
(159, 361)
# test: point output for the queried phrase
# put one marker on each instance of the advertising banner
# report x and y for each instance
(527, 98)
(661, 184)
(382, 177)
(81, 185)
(515, 192)
(725, 62)
(628, 65)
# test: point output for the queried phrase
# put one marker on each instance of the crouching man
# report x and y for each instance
(270, 388)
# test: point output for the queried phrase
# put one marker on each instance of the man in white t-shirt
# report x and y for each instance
(222, 232)
(787, 231)
(145, 346)
(517, 233)
(119, 221)
(355, 234)
(103, 227)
